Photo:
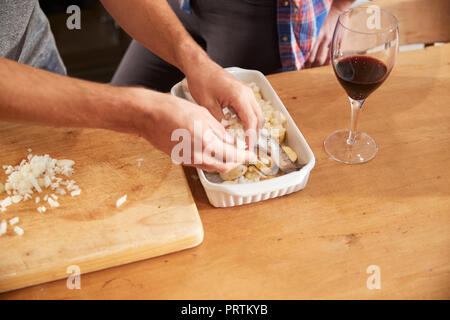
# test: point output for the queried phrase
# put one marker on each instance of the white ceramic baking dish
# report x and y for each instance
(228, 195)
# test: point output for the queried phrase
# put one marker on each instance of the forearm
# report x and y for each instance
(153, 24)
(28, 94)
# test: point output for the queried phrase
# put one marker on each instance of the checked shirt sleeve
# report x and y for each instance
(299, 23)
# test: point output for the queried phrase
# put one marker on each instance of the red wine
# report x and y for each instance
(360, 75)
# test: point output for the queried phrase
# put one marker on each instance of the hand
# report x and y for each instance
(159, 115)
(214, 88)
(320, 51)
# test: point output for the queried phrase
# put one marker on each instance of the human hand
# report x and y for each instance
(214, 88)
(162, 119)
(320, 51)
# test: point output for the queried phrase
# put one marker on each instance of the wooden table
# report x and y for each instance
(393, 212)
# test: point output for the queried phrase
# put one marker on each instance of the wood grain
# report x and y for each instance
(159, 216)
(393, 212)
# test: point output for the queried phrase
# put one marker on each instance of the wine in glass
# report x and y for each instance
(363, 53)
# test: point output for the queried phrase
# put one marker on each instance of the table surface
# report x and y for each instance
(393, 212)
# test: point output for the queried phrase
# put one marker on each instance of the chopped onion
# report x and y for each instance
(41, 209)
(18, 230)
(34, 174)
(75, 193)
(14, 221)
(121, 201)
(53, 203)
(3, 227)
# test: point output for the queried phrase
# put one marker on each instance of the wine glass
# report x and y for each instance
(363, 53)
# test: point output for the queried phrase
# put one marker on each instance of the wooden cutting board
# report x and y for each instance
(89, 231)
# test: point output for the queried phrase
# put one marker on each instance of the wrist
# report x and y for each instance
(145, 109)
(125, 108)
(192, 59)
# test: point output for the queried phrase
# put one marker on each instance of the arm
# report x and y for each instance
(32, 95)
(155, 26)
(320, 51)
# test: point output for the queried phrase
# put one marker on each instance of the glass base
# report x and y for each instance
(363, 150)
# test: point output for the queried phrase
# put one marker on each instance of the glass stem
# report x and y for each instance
(356, 106)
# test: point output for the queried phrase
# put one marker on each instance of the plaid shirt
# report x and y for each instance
(299, 23)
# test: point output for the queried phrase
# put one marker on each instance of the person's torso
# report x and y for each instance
(26, 37)
(298, 24)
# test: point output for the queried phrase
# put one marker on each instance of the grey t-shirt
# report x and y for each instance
(25, 36)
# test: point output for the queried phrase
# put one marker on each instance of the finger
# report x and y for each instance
(252, 129)
(224, 152)
(322, 53)
(313, 53)
(251, 137)
(328, 60)
(221, 133)
(218, 129)
(247, 115)
(257, 109)
(230, 153)
(215, 110)
(224, 137)
(220, 144)
(212, 165)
